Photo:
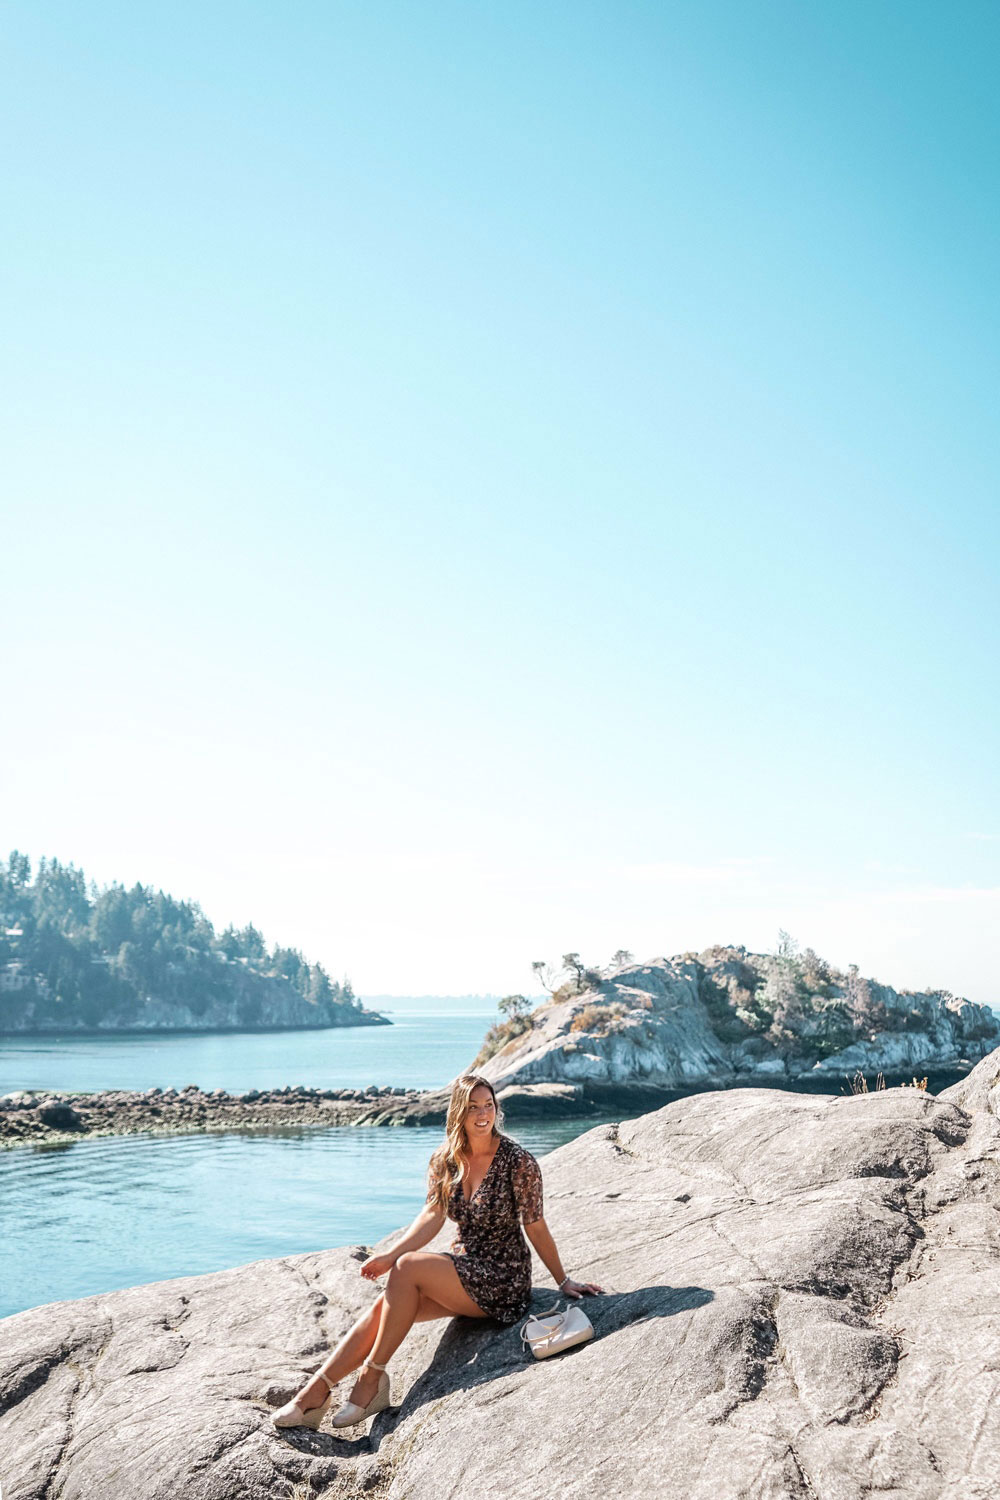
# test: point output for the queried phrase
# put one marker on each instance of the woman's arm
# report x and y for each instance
(423, 1229)
(540, 1236)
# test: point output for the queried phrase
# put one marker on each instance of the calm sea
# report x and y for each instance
(427, 1044)
(96, 1215)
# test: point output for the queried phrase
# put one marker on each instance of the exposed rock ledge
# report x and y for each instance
(729, 1016)
(802, 1296)
(39, 1118)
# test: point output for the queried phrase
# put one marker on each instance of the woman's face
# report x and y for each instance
(480, 1113)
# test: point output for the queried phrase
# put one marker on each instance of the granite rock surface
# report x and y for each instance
(801, 1302)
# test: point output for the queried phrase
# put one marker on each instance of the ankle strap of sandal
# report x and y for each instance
(371, 1365)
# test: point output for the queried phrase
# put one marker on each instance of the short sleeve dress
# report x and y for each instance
(491, 1255)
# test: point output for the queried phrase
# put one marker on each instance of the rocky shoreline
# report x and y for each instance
(158, 1028)
(43, 1117)
(631, 1039)
(40, 1117)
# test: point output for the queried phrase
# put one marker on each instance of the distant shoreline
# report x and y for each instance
(372, 1019)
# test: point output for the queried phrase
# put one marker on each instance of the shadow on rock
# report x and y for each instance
(472, 1353)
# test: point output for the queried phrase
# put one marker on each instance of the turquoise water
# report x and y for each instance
(120, 1211)
(96, 1215)
(429, 1042)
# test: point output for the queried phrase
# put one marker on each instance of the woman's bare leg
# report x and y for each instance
(352, 1351)
(355, 1347)
(418, 1277)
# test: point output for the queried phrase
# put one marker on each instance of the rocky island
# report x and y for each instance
(800, 1305)
(725, 1017)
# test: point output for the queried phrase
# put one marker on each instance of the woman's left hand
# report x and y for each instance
(577, 1289)
(377, 1265)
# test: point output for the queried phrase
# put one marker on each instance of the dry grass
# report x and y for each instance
(598, 1018)
(500, 1036)
(859, 1084)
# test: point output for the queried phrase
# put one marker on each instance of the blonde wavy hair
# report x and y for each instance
(451, 1160)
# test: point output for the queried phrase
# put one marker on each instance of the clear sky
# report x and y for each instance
(485, 480)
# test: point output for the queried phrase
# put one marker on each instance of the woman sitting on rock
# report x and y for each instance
(491, 1187)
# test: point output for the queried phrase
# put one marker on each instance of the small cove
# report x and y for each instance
(99, 1214)
(95, 1215)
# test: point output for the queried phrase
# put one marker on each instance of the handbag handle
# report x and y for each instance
(537, 1318)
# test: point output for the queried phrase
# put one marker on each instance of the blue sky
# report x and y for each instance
(484, 481)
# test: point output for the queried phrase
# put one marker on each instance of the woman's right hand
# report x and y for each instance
(377, 1265)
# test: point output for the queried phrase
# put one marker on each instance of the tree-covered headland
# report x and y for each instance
(78, 956)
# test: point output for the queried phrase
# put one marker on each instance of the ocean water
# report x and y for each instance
(95, 1215)
(98, 1214)
(429, 1042)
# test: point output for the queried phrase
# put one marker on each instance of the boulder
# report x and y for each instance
(799, 1302)
(60, 1116)
(977, 1091)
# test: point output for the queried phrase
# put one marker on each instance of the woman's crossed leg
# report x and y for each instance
(422, 1285)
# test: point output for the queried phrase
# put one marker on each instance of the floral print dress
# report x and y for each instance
(491, 1255)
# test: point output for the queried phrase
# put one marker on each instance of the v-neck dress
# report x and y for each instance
(491, 1254)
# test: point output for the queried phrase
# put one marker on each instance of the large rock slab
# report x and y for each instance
(801, 1302)
(980, 1089)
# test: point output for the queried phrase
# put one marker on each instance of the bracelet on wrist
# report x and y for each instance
(564, 1281)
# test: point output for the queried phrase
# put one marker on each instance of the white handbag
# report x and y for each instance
(553, 1331)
